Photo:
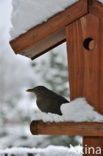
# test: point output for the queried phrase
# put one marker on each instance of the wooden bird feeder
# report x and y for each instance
(81, 26)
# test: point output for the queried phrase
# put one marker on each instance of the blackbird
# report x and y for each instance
(47, 100)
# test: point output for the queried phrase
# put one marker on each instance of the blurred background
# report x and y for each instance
(18, 73)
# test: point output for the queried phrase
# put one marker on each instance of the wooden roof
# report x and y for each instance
(48, 35)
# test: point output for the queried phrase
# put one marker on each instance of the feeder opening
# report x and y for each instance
(89, 43)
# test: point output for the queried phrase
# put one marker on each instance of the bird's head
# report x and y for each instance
(37, 90)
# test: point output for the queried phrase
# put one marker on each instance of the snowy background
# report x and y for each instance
(17, 73)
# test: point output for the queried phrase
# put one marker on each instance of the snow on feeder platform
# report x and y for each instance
(78, 118)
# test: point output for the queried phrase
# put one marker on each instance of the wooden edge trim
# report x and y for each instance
(67, 128)
(45, 51)
(45, 45)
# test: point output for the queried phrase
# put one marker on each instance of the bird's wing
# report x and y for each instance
(62, 100)
(59, 99)
(56, 109)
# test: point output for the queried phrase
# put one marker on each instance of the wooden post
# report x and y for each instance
(85, 59)
(94, 142)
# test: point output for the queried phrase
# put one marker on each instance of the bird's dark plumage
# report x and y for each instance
(47, 100)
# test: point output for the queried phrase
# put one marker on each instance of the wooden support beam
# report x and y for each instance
(67, 128)
(85, 62)
(86, 65)
(36, 41)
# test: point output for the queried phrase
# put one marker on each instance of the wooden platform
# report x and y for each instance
(67, 128)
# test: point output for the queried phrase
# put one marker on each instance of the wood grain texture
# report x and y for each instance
(29, 40)
(96, 8)
(67, 128)
(50, 42)
(86, 66)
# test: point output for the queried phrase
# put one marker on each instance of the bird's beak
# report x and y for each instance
(29, 90)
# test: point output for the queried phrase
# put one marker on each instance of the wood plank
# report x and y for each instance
(67, 128)
(86, 66)
(50, 42)
(96, 8)
(28, 40)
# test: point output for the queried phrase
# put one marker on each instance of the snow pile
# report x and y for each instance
(51, 151)
(29, 13)
(77, 111)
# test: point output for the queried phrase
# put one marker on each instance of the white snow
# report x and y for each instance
(77, 110)
(29, 13)
(100, 1)
(50, 150)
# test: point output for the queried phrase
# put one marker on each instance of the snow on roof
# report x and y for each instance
(29, 13)
(50, 150)
(77, 110)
